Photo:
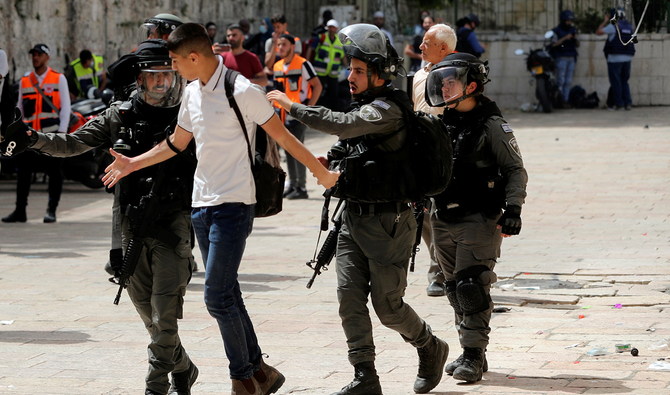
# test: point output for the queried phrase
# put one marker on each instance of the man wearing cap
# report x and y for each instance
(467, 41)
(378, 20)
(44, 101)
(85, 74)
(328, 61)
(296, 77)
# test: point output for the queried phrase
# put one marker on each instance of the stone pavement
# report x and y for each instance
(589, 270)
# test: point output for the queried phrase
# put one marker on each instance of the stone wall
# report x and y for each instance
(509, 86)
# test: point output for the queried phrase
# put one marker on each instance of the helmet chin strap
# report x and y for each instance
(460, 99)
(370, 91)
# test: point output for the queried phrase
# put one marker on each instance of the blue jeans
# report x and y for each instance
(619, 73)
(222, 233)
(565, 67)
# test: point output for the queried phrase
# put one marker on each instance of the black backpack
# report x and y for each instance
(431, 155)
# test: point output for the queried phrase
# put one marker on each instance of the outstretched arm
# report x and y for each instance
(293, 146)
(123, 165)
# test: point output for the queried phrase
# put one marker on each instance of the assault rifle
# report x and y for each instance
(143, 224)
(420, 208)
(321, 261)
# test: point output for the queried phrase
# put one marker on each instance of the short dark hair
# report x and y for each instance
(288, 38)
(210, 24)
(235, 26)
(85, 55)
(278, 18)
(188, 38)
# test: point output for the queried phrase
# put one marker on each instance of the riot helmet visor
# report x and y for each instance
(363, 41)
(446, 84)
(160, 86)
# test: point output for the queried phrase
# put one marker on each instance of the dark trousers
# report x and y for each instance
(619, 73)
(330, 93)
(29, 162)
(297, 172)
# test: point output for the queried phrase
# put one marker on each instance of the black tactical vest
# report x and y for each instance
(147, 126)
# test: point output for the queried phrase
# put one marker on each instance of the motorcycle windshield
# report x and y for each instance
(445, 84)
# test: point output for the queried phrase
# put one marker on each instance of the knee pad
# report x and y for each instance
(451, 295)
(472, 289)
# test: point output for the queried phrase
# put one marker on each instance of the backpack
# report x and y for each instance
(431, 156)
(578, 98)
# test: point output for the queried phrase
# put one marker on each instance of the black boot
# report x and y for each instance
(472, 368)
(366, 381)
(449, 369)
(50, 216)
(183, 381)
(19, 215)
(431, 361)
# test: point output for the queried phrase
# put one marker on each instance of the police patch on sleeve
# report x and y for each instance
(515, 146)
(381, 104)
(369, 113)
(506, 128)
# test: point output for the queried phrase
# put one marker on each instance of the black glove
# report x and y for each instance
(511, 221)
(15, 138)
(115, 261)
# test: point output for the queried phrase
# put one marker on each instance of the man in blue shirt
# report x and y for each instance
(619, 58)
(467, 41)
(564, 51)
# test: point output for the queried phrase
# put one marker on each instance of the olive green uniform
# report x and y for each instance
(375, 241)
(159, 283)
(466, 236)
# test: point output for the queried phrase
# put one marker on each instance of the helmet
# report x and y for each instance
(149, 69)
(367, 43)
(567, 15)
(450, 78)
(158, 26)
(619, 12)
(472, 18)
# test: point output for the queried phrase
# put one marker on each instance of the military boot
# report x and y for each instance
(431, 361)
(183, 381)
(151, 392)
(472, 368)
(449, 369)
(365, 382)
(240, 387)
(50, 216)
(18, 215)
(269, 378)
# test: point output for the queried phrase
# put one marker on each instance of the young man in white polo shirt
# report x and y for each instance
(224, 190)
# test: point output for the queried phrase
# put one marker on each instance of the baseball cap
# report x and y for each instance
(378, 14)
(333, 22)
(41, 48)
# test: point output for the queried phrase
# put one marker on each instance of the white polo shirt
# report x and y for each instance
(223, 174)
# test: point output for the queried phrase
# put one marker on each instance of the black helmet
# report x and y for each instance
(159, 25)
(369, 44)
(152, 60)
(451, 77)
(472, 18)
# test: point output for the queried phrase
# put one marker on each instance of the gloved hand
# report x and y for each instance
(15, 139)
(115, 261)
(510, 221)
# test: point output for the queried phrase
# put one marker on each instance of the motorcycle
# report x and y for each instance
(541, 65)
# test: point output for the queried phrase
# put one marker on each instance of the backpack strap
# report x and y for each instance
(229, 85)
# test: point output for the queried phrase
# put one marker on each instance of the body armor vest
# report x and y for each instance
(145, 127)
(371, 173)
(476, 183)
(616, 46)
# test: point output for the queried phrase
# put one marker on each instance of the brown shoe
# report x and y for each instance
(273, 379)
(240, 389)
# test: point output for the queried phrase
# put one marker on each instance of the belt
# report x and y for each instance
(376, 208)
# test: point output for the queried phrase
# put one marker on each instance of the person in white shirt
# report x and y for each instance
(44, 101)
(223, 191)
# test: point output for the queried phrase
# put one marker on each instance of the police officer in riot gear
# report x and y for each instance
(378, 229)
(159, 283)
(160, 26)
(468, 225)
